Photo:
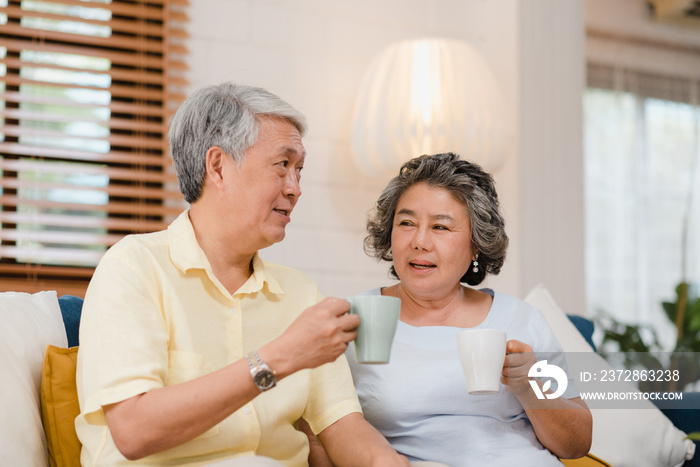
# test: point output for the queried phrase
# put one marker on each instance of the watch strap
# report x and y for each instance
(260, 371)
(258, 360)
(251, 363)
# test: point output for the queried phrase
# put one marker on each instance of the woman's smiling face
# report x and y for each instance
(430, 241)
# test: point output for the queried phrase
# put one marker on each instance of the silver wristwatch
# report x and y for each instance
(263, 376)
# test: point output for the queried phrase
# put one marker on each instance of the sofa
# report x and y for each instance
(39, 339)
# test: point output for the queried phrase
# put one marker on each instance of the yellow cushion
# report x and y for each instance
(59, 406)
(589, 460)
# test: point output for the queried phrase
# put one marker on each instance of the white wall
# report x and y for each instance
(313, 54)
(552, 80)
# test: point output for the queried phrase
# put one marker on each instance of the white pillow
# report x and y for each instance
(621, 437)
(28, 323)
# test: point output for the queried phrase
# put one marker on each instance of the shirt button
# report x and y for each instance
(246, 411)
(233, 310)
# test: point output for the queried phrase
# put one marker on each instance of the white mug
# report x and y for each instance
(482, 353)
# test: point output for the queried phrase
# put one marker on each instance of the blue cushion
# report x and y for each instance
(585, 327)
(71, 306)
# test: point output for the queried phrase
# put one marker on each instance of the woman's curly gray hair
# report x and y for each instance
(469, 184)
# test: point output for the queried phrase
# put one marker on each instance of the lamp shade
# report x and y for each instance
(428, 96)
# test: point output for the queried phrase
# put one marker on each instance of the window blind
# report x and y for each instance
(642, 83)
(86, 90)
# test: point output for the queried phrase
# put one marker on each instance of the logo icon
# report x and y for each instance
(543, 370)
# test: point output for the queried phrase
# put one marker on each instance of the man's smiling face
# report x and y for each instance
(264, 189)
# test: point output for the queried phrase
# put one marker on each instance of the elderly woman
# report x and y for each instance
(438, 223)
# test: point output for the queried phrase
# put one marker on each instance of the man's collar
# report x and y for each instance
(259, 278)
(186, 254)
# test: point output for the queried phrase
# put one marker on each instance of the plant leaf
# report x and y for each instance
(670, 309)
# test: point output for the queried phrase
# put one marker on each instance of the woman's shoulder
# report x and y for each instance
(375, 291)
(505, 303)
(525, 322)
(508, 300)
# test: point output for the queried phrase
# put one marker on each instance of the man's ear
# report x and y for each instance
(215, 165)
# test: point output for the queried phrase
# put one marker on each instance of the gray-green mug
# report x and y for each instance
(379, 316)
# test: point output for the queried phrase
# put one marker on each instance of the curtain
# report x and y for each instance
(86, 89)
(641, 193)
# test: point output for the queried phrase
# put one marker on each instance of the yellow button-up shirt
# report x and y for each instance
(155, 315)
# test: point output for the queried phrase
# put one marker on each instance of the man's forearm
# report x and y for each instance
(167, 417)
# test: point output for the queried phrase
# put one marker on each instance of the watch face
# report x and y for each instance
(265, 379)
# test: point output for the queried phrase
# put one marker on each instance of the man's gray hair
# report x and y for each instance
(470, 185)
(226, 115)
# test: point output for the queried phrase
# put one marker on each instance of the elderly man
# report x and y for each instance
(193, 349)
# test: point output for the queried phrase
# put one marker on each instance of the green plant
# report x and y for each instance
(626, 337)
(634, 346)
(685, 314)
(640, 346)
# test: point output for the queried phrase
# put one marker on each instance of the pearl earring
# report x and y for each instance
(475, 264)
